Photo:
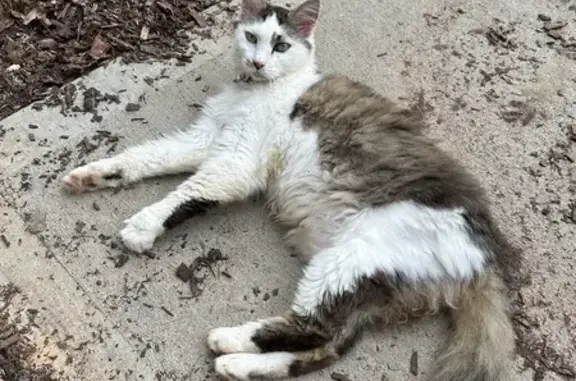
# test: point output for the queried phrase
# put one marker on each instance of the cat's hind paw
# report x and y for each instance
(141, 231)
(234, 339)
(247, 366)
(91, 177)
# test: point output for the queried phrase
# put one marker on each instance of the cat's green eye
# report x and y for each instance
(251, 38)
(281, 47)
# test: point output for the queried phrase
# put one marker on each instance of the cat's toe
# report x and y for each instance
(234, 339)
(96, 175)
(137, 239)
(141, 231)
(82, 179)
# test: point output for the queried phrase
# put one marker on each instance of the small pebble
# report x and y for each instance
(543, 17)
(414, 363)
(337, 376)
(131, 107)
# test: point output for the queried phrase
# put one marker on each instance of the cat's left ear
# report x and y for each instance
(251, 8)
(304, 18)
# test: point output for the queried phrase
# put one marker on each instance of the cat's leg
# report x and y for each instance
(181, 152)
(232, 176)
(337, 295)
(283, 346)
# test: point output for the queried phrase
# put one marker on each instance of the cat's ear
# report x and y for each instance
(251, 8)
(304, 18)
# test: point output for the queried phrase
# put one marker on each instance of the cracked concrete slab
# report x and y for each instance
(498, 92)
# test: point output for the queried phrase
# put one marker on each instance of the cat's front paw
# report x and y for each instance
(234, 339)
(141, 231)
(91, 177)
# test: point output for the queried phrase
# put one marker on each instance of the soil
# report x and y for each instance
(46, 44)
(16, 353)
(196, 273)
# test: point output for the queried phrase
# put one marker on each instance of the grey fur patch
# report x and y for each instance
(280, 12)
(486, 234)
(377, 151)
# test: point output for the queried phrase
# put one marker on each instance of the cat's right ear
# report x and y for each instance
(251, 8)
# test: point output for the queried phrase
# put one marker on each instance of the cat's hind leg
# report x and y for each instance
(178, 153)
(332, 304)
(281, 347)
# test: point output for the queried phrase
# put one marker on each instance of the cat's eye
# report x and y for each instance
(281, 47)
(251, 38)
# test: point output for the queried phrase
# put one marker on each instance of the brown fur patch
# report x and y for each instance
(377, 152)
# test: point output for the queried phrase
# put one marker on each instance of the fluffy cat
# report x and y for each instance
(391, 227)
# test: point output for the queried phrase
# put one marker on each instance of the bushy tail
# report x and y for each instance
(483, 337)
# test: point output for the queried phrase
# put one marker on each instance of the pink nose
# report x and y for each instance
(258, 65)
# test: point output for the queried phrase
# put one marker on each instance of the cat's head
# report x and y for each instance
(273, 41)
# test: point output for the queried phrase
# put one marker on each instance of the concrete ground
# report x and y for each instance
(497, 82)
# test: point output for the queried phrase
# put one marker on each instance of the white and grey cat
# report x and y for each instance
(390, 226)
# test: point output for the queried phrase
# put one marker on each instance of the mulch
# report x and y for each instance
(46, 44)
(17, 353)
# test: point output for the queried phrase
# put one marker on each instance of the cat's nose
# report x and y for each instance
(258, 65)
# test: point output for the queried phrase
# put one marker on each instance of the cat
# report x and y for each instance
(389, 225)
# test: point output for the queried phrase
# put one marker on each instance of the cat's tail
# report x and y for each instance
(483, 337)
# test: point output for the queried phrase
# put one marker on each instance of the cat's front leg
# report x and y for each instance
(232, 177)
(178, 153)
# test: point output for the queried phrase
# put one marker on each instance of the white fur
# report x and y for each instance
(251, 125)
(234, 339)
(181, 152)
(141, 230)
(276, 64)
(245, 366)
(419, 242)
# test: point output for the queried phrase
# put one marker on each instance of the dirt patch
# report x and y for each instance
(16, 352)
(46, 44)
(559, 39)
(537, 352)
(195, 273)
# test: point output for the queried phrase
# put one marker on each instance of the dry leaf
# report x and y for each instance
(165, 7)
(144, 33)
(197, 18)
(99, 48)
(31, 16)
(5, 24)
(14, 67)
(17, 15)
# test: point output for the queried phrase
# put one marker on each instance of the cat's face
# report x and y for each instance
(273, 41)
